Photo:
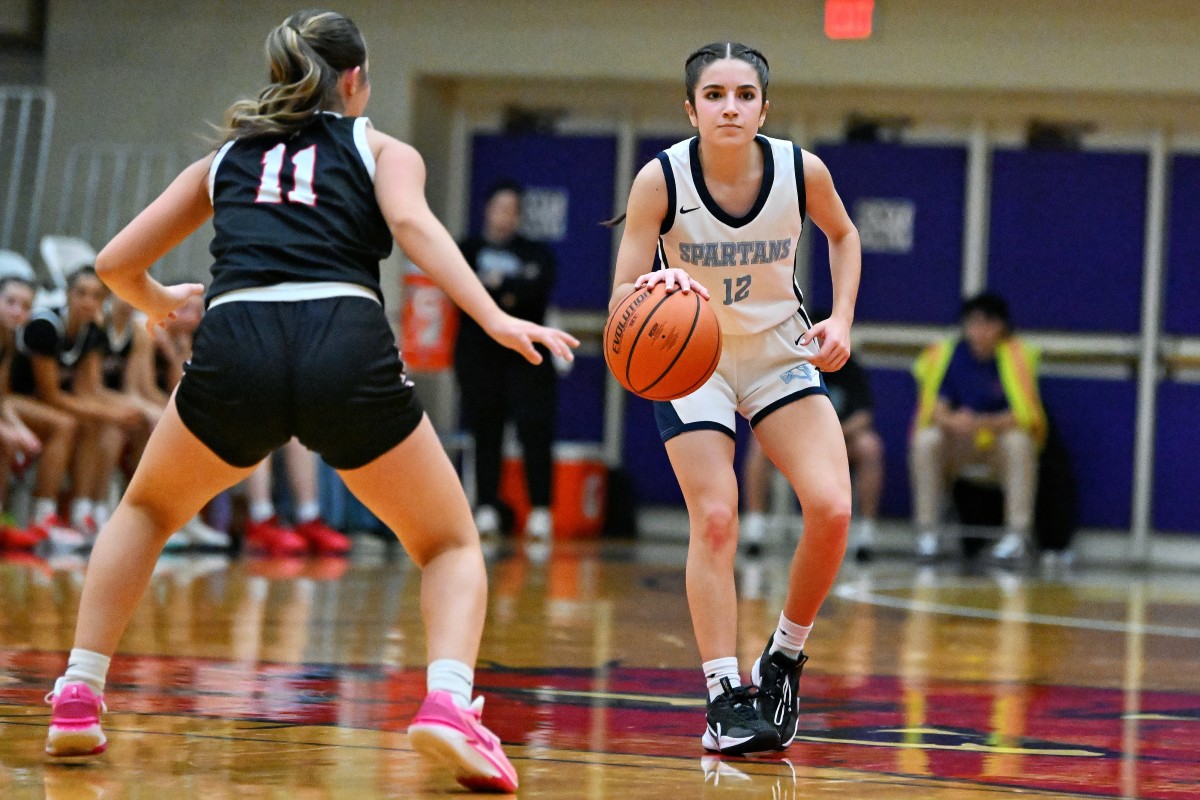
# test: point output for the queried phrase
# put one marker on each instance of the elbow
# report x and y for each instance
(107, 266)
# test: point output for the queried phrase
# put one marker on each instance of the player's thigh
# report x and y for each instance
(178, 474)
(703, 464)
(804, 440)
(415, 491)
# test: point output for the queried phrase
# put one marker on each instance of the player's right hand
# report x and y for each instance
(673, 279)
(166, 300)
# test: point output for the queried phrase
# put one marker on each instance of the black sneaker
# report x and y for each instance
(733, 725)
(778, 680)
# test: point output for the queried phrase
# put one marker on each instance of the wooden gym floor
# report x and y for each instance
(296, 679)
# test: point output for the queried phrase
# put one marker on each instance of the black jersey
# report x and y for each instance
(46, 335)
(117, 347)
(298, 208)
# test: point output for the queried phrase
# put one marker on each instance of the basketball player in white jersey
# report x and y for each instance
(725, 211)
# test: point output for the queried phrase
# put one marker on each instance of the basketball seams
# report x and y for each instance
(700, 331)
(712, 367)
(636, 338)
(681, 349)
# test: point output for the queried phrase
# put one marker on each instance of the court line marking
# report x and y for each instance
(602, 758)
(848, 591)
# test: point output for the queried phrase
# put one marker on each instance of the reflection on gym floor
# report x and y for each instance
(297, 678)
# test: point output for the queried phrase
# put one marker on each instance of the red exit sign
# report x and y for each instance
(848, 19)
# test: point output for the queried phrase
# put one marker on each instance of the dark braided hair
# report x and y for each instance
(716, 51)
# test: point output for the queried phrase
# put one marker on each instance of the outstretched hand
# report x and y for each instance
(521, 335)
(167, 301)
(673, 279)
(834, 337)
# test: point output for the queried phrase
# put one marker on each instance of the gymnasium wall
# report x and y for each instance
(153, 73)
(146, 71)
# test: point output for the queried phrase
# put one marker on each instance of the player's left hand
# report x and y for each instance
(833, 334)
(167, 300)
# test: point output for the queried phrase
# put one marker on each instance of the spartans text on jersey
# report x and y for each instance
(734, 254)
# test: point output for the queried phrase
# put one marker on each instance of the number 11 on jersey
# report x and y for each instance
(737, 292)
(304, 166)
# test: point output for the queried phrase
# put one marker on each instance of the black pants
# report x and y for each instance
(498, 385)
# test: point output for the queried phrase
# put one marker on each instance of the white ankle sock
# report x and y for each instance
(261, 510)
(84, 666)
(455, 677)
(790, 638)
(720, 668)
(307, 512)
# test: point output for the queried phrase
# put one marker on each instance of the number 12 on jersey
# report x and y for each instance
(304, 166)
(737, 289)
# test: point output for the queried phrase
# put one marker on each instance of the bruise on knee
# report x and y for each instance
(714, 526)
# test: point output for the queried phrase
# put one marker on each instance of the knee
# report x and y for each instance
(714, 526)
(829, 513)
(927, 440)
(868, 447)
(1017, 442)
(66, 427)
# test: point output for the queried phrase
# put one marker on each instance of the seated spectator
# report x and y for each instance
(18, 444)
(265, 532)
(57, 373)
(979, 413)
(850, 392)
(131, 370)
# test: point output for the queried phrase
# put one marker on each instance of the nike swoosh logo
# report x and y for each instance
(683, 210)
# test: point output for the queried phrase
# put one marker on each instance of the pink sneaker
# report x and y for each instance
(446, 732)
(75, 721)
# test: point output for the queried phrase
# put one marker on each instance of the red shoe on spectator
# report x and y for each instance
(59, 534)
(274, 539)
(18, 539)
(323, 540)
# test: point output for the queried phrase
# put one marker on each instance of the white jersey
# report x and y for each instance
(748, 264)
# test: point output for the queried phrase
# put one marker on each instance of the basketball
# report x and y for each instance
(660, 345)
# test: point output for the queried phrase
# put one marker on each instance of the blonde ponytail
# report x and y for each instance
(306, 53)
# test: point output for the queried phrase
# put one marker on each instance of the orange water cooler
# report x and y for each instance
(579, 491)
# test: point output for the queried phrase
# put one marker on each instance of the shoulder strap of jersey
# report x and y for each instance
(669, 175)
(212, 169)
(360, 143)
(801, 197)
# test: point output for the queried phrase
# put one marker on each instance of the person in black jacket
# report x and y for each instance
(496, 388)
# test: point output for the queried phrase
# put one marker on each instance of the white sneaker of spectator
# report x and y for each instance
(1010, 547)
(200, 534)
(487, 521)
(539, 525)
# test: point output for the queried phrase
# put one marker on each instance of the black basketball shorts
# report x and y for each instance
(326, 371)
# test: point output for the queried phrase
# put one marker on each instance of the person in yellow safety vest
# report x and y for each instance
(979, 414)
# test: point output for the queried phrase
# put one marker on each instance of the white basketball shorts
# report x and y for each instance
(757, 374)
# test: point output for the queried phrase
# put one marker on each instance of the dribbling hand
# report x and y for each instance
(521, 335)
(167, 300)
(673, 279)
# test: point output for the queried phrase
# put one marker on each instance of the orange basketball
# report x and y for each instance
(660, 345)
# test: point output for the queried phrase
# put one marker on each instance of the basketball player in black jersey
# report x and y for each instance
(305, 199)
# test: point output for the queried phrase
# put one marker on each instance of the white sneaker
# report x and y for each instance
(862, 541)
(928, 545)
(752, 530)
(539, 525)
(201, 534)
(487, 521)
(1010, 548)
